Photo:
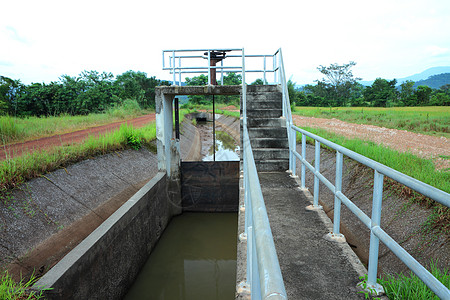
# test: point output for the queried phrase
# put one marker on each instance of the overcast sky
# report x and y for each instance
(42, 40)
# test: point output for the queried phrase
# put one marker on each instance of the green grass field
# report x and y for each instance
(432, 120)
(14, 129)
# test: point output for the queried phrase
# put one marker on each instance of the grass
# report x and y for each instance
(403, 287)
(431, 120)
(17, 170)
(13, 130)
(10, 289)
(412, 287)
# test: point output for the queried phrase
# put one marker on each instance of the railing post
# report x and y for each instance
(374, 240)
(264, 70)
(274, 67)
(179, 71)
(173, 68)
(293, 147)
(338, 188)
(303, 165)
(317, 170)
(209, 67)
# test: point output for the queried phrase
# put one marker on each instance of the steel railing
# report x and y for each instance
(198, 61)
(373, 222)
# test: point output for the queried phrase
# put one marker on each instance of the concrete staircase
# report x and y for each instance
(266, 128)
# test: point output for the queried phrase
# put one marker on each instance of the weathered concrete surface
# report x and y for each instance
(51, 214)
(312, 267)
(199, 90)
(190, 143)
(105, 264)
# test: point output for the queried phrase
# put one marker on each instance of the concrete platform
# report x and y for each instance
(312, 267)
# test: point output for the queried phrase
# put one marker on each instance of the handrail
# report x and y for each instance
(373, 223)
(262, 261)
(263, 269)
(183, 61)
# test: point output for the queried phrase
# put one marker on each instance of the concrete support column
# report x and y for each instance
(168, 147)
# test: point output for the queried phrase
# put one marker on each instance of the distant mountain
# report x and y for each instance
(425, 74)
(417, 77)
(435, 81)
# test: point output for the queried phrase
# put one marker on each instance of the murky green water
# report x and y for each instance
(194, 259)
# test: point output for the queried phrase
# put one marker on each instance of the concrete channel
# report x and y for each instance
(106, 263)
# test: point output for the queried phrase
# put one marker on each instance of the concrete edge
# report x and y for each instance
(346, 250)
(241, 257)
(68, 261)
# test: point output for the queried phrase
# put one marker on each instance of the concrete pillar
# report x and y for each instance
(168, 147)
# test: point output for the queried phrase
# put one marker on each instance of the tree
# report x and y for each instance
(197, 81)
(339, 81)
(293, 94)
(382, 93)
(258, 81)
(423, 94)
(407, 96)
(136, 85)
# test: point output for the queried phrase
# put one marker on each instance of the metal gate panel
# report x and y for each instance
(210, 186)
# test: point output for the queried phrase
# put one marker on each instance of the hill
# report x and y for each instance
(417, 77)
(435, 81)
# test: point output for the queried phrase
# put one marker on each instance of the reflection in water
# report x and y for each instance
(226, 148)
(194, 259)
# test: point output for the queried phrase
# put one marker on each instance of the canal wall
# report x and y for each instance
(105, 264)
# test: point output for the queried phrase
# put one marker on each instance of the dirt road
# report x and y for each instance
(14, 150)
(426, 146)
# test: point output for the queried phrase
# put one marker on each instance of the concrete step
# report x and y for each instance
(269, 132)
(275, 165)
(270, 153)
(263, 97)
(269, 143)
(272, 104)
(266, 122)
(263, 88)
(264, 113)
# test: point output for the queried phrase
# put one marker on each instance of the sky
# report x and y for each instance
(42, 40)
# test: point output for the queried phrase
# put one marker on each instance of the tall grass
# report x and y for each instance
(433, 120)
(403, 287)
(14, 129)
(17, 170)
(411, 287)
(11, 290)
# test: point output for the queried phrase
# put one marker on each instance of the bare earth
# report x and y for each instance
(425, 146)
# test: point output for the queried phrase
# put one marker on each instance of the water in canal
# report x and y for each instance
(225, 149)
(194, 259)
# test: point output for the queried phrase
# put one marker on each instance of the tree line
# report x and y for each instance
(89, 92)
(340, 88)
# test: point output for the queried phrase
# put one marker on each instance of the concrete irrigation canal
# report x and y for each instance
(244, 228)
